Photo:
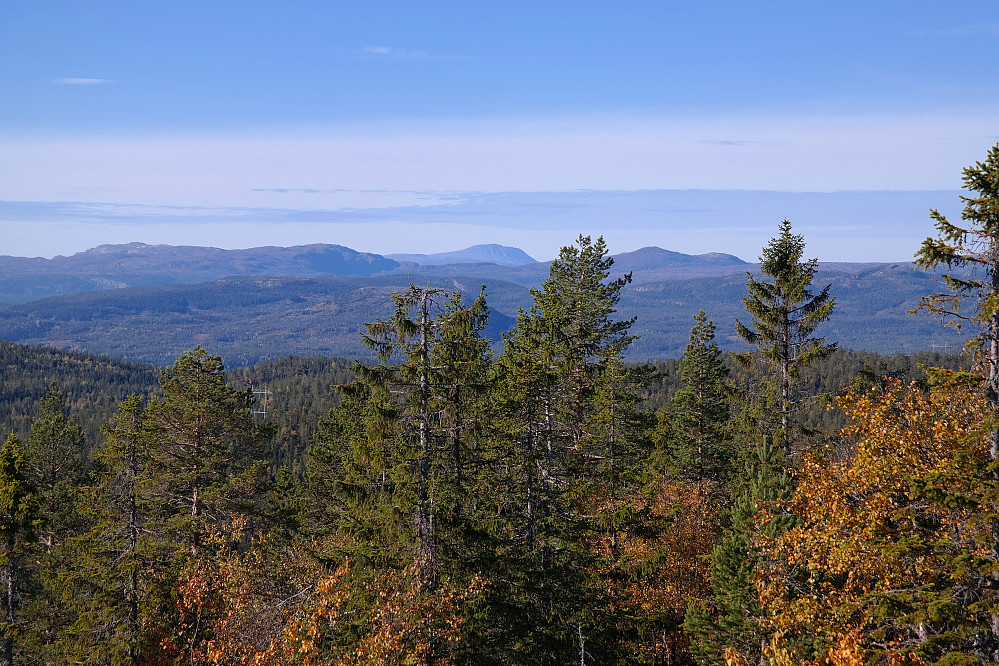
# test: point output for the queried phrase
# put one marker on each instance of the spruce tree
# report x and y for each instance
(974, 247)
(110, 584)
(785, 314)
(558, 384)
(57, 458)
(730, 617)
(18, 519)
(970, 252)
(403, 454)
(696, 423)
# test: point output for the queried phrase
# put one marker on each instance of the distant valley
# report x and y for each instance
(150, 303)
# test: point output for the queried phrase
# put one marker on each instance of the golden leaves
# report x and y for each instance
(885, 519)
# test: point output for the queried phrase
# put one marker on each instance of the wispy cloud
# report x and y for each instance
(77, 81)
(738, 142)
(390, 52)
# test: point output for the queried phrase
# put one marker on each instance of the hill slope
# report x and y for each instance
(136, 264)
(501, 255)
(23, 279)
(246, 320)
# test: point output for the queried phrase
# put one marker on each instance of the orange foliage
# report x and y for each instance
(235, 602)
(665, 572)
(238, 610)
(831, 569)
(846, 652)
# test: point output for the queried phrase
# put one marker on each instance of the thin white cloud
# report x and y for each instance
(740, 142)
(389, 52)
(77, 81)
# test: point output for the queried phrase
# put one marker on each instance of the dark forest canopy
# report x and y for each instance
(301, 390)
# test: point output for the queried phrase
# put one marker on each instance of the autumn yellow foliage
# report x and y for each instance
(238, 608)
(882, 527)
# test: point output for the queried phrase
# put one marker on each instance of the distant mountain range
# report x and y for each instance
(25, 279)
(151, 303)
(137, 264)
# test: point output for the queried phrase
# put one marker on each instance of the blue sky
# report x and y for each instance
(402, 126)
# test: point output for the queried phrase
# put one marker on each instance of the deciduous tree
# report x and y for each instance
(894, 542)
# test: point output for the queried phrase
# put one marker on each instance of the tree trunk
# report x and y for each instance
(7, 574)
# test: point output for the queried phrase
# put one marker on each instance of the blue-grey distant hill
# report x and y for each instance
(24, 279)
(250, 319)
(152, 302)
(501, 255)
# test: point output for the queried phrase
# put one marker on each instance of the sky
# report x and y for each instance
(423, 127)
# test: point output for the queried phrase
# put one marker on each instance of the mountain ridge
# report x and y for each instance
(24, 279)
(502, 255)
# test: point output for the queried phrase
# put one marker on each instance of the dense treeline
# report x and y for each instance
(92, 386)
(303, 389)
(542, 504)
(293, 393)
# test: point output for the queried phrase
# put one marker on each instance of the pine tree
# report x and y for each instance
(202, 436)
(57, 457)
(785, 314)
(206, 454)
(18, 516)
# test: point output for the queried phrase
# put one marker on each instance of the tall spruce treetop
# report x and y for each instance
(572, 322)
(973, 245)
(561, 395)
(578, 296)
(785, 313)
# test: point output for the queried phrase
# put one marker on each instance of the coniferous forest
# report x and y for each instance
(535, 502)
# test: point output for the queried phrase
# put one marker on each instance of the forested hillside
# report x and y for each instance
(543, 502)
(92, 385)
(247, 320)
